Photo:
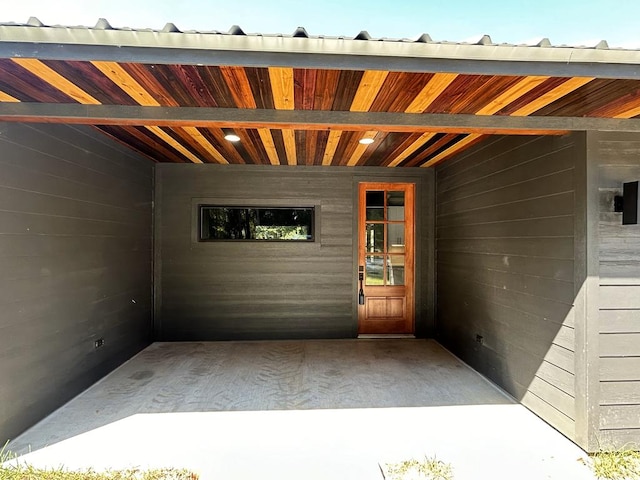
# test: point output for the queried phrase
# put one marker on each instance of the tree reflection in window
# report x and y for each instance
(256, 223)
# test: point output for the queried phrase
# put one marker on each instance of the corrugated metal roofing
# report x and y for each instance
(301, 32)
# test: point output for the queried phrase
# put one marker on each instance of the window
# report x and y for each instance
(275, 224)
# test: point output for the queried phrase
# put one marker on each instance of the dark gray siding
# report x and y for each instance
(617, 156)
(253, 290)
(75, 264)
(505, 267)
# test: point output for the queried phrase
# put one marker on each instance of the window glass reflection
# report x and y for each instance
(395, 270)
(246, 223)
(375, 237)
(374, 270)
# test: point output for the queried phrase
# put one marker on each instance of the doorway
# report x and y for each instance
(386, 258)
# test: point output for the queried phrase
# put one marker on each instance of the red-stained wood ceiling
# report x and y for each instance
(267, 89)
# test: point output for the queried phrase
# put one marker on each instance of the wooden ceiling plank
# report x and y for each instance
(282, 86)
(56, 80)
(145, 142)
(632, 112)
(424, 138)
(290, 145)
(332, 145)
(304, 85)
(174, 143)
(311, 144)
(510, 95)
(346, 89)
(361, 149)
(430, 92)
(239, 86)
(369, 87)
(269, 145)
(211, 150)
(126, 82)
(560, 91)
(321, 145)
(453, 149)
(325, 89)
(5, 97)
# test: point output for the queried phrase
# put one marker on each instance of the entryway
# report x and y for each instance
(386, 262)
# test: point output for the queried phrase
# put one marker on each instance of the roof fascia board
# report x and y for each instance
(303, 119)
(145, 46)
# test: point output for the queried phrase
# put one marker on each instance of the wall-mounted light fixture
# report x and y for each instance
(628, 203)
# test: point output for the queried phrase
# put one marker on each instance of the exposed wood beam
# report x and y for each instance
(127, 115)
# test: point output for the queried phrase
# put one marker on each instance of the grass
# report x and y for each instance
(427, 469)
(623, 464)
(19, 471)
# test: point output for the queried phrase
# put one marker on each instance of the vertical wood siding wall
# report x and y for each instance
(75, 264)
(505, 267)
(255, 290)
(617, 158)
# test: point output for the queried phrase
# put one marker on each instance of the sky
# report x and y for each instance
(570, 22)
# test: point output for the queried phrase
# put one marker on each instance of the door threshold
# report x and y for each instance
(385, 335)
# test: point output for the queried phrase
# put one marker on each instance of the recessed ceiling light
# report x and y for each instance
(366, 141)
(232, 137)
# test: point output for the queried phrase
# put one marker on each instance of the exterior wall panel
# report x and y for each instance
(617, 159)
(258, 290)
(505, 236)
(75, 264)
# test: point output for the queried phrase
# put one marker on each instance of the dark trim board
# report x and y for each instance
(306, 119)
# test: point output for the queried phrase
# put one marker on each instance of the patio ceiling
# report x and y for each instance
(307, 101)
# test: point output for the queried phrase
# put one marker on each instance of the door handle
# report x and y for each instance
(361, 278)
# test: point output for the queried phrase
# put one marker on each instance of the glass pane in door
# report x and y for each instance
(374, 270)
(395, 270)
(375, 237)
(375, 205)
(395, 206)
(395, 238)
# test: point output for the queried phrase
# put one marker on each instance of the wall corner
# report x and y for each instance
(586, 281)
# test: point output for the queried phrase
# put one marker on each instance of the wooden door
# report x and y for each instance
(386, 258)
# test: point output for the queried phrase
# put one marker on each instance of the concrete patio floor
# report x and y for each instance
(326, 409)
